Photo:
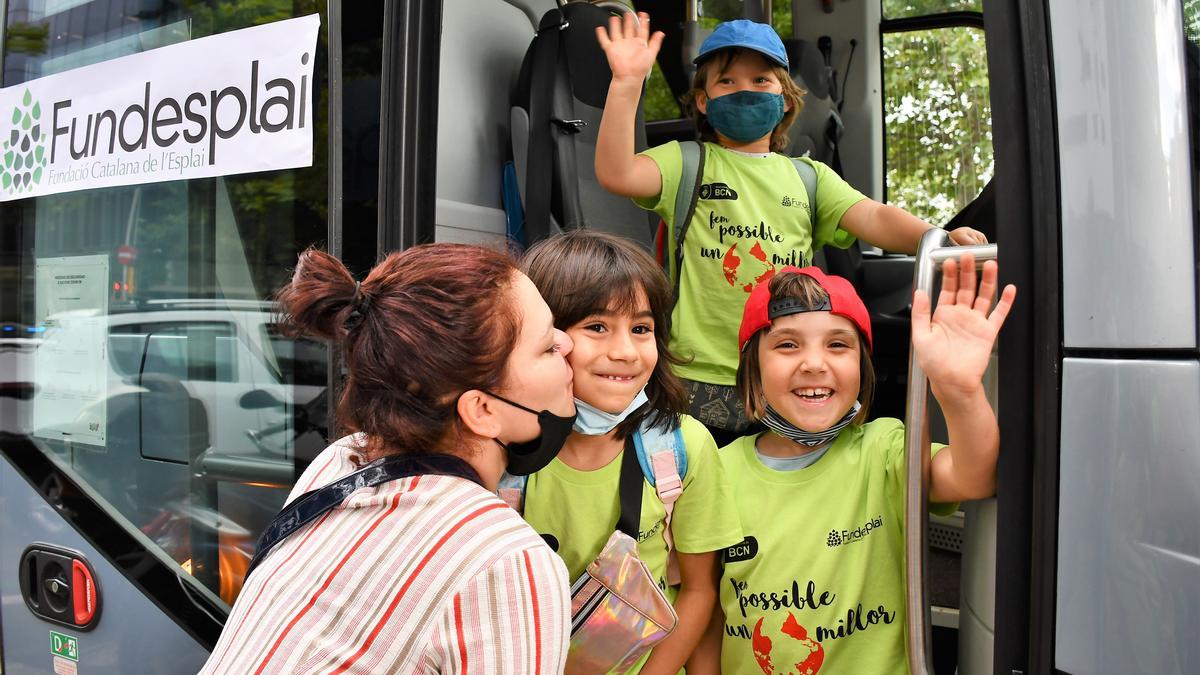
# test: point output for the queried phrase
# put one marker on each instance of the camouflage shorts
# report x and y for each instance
(716, 405)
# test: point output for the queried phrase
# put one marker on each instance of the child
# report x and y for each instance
(612, 299)
(752, 214)
(818, 583)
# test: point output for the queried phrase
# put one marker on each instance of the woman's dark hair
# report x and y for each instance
(720, 62)
(584, 272)
(749, 375)
(426, 324)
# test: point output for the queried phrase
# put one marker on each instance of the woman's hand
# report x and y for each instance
(955, 345)
(629, 46)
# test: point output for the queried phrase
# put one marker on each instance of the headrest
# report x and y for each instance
(808, 64)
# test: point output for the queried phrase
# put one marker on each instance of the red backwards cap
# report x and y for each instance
(843, 301)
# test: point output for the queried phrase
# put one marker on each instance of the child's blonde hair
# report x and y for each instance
(749, 375)
(793, 96)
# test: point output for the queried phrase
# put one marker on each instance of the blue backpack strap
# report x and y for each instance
(663, 459)
(649, 441)
(511, 491)
(808, 176)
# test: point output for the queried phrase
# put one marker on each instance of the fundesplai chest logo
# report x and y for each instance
(842, 537)
(232, 103)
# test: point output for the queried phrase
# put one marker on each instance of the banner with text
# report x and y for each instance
(232, 103)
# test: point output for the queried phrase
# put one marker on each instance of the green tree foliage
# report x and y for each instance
(937, 117)
(1191, 20)
(659, 103)
(899, 9)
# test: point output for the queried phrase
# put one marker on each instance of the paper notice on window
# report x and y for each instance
(71, 366)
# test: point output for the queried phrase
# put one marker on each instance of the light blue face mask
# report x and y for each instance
(591, 421)
(745, 116)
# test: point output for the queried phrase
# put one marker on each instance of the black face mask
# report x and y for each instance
(533, 456)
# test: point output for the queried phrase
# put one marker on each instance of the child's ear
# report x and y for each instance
(702, 102)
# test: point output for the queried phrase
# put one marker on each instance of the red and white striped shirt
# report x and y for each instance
(428, 574)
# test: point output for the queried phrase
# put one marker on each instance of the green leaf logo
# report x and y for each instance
(24, 158)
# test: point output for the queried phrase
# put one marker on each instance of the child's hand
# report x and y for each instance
(954, 348)
(966, 236)
(630, 47)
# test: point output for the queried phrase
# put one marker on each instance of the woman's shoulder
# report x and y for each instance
(342, 458)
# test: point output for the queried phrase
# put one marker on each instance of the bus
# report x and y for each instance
(164, 162)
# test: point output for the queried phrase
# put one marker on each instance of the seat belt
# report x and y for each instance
(539, 165)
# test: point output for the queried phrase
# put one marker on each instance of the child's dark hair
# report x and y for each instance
(720, 62)
(749, 375)
(399, 391)
(584, 272)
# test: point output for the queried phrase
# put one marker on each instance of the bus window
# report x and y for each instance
(937, 114)
(142, 376)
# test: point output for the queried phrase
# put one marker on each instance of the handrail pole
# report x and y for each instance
(935, 248)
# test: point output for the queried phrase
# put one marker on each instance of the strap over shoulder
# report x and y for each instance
(313, 504)
(663, 457)
(808, 176)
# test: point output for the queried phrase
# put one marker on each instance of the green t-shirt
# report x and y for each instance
(579, 509)
(818, 582)
(752, 218)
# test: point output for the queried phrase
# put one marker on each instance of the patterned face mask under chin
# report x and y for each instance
(813, 439)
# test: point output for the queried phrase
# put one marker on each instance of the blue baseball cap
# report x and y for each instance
(746, 34)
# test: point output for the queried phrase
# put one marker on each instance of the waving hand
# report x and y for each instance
(954, 345)
(629, 46)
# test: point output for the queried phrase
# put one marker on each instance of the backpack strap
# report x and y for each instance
(808, 176)
(685, 204)
(663, 458)
(313, 504)
(511, 491)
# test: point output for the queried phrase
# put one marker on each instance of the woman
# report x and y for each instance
(450, 352)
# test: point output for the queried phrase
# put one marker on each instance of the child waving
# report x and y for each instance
(818, 582)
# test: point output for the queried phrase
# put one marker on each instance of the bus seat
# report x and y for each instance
(554, 122)
(817, 128)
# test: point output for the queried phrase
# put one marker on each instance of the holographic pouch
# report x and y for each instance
(618, 613)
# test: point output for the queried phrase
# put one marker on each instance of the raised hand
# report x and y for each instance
(629, 46)
(954, 346)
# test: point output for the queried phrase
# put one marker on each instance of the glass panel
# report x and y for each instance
(937, 120)
(144, 344)
(659, 102)
(713, 12)
(781, 18)
(901, 9)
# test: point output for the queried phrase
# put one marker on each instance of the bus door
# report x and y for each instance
(153, 411)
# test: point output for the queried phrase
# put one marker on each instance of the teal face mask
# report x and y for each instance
(745, 116)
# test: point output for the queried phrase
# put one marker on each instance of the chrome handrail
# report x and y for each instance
(935, 249)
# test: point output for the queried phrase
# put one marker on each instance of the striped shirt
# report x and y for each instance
(427, 574)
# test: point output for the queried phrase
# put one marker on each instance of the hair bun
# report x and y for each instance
(320, 293)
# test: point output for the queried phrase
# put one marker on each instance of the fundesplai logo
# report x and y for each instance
(231, 103)
(24, 147)
(842, 537)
